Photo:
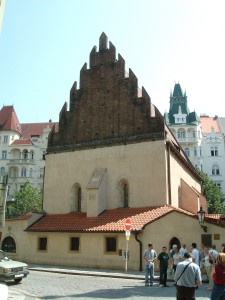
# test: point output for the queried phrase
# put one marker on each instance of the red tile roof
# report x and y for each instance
(109, 221)
(22, 142)
(35, 129)
(9, 120)
(208, 123)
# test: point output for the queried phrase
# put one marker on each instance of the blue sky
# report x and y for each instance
(44, 44)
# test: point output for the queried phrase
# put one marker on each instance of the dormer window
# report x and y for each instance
(180, 117)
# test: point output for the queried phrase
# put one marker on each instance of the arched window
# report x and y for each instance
(25, 154)
(76, 196)
(79, 199)
(31, 173)
(13, 172)
(23, 172)
(8, 244)
(2, 170)
(215, 170)
(32, 155)
(124, 193)
(181, 134)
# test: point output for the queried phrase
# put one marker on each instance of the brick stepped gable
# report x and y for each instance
(106, 110)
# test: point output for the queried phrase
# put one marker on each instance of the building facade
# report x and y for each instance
(23, 148)
(202, 138)
(112, 157)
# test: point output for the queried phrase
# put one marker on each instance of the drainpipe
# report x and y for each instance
(140, 249)
(168, 173)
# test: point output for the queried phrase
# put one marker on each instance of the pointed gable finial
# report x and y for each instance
(103, 41)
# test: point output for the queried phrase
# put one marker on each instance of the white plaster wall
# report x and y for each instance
(178, 172)
(142, 164)
(92, 245)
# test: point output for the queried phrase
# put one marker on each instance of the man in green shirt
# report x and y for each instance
(163, 258)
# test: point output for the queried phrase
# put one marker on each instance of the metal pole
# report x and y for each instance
(126, 257)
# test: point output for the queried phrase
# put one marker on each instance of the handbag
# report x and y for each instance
(182, 273)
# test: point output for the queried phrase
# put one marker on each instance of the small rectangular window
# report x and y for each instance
(195, 152)
(74, 244)
(214, 151)
(4, 154)
(42, 244)
(111, 244)
(5, 139)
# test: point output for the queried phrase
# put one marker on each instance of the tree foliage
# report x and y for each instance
(213, 194)
(27, 199)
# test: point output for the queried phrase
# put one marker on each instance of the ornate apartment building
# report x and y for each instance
(202, 138)
(22, 150)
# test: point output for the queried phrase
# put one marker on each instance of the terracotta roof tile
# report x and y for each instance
(9, 120)
(109, 221)
(208, 123)
(35, 129)
(22, 142)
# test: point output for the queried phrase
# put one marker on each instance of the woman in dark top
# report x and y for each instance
(218, 275)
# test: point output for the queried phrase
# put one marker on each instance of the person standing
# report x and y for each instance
(163, 258)
(176, 259)
(173, 251)
(149, 256)
(202, 258)
(208, 262)
(183, 250)
(213, 252)
(187, 277)
(195, 253)
(218, 274)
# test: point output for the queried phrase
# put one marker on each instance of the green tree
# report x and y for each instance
(27, 199)
(213, 194)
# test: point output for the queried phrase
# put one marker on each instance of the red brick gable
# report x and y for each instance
(9, 119)
(107, 109)
(109, 221)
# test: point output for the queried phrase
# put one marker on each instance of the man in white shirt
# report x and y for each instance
(149, 256)
(187, 278)
(195, 253)
(183, 250)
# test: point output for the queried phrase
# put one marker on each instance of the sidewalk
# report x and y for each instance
(130, 274)
(3, 291)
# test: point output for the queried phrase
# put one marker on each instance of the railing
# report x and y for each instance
(20, 161)
(187, 139)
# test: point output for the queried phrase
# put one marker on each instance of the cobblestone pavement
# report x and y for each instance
(85, 285)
